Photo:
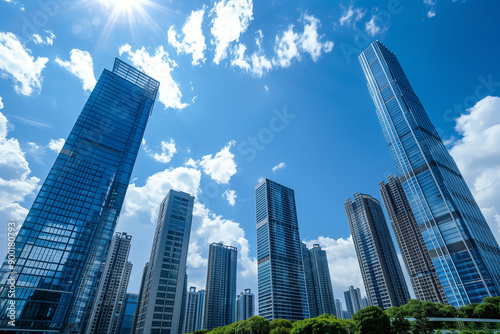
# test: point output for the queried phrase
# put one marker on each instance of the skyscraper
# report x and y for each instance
(68, 230)
(127, 314)
(382, 275)
(105, 313)
(144, 279)
(353, 300)
(282, 291)
(317, 276)
(195, 308)
(164, 290)
(338, 309)
(460, 243)
(221, 286)
(245, 302)
(423, 276)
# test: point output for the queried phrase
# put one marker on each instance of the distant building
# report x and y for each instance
(244, 305)
(352, 299)
(380, 268)
(195, 309)
(318, 281)
(461, 245)
(282, 289)
(364, 302)
(423, 276)
(140, 297)
(164, 291)
(127, 315)
(221, 286)
(338, 309)
(110, 297)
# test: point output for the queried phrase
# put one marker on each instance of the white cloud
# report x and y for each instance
(222, 166)
(17, 3)
(16, 60)
(342, 262)
(291, 44)
(257, 64)
(44, 40)
(266, 88)
(82, 66)
(230, 196)
(231, 19)
(1, 103)
(56, 144)
(148, 197)
(351, 15)
(167, 151)
(431, 4)
(279, 166)
(15, 183)
(160, 67)
(194, 41)
(478, 157)
(372, 27)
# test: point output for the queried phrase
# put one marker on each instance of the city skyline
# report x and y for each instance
(225, 126)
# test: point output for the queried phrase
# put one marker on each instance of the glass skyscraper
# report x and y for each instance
(318, 281)
(164, 290)
(460, 243)
(66, 235)
(281, 285)
(382, 275)
(127, 314)
(220, 304)
(245, 302)
(423, 276)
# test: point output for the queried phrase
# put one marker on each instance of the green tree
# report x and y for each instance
(492, 300)
(257, 324)
(280, 330)
(372, 320)
(487, 311)
(320, 325)
(201, 331)
(276, 323)
(399, 324)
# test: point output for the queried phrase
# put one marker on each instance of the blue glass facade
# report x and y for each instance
(127, 314)
(460, 243)
(163, 290)
(220, 303)
(281, 285)
(382, 275)
(66, 235)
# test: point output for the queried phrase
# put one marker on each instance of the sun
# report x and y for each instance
(123, 5)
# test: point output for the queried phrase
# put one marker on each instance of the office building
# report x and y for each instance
(220, 304)
(127, 314)
(195, 309)
(281, 284)
(465, 254)
(353, 300)
(245, 302)
(423, 276)
(364, 302)
(164, 291)
(318, 282)
(338, 309)
(107, 307)
(67, 232)
(140, 297)
(382, 275)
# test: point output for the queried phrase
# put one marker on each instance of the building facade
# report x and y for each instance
(245, 302)
(423, 276)
(68, 230)
(195, 308)
(107, 306)
(382, 275)
(163, 293)
(460, 243)
(353, 300)
(338, 309)
(318, 282)
(127, 314)
(220, 304)
(140, 297)
(281, 284)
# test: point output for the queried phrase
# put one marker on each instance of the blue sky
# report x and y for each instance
(248, 90)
